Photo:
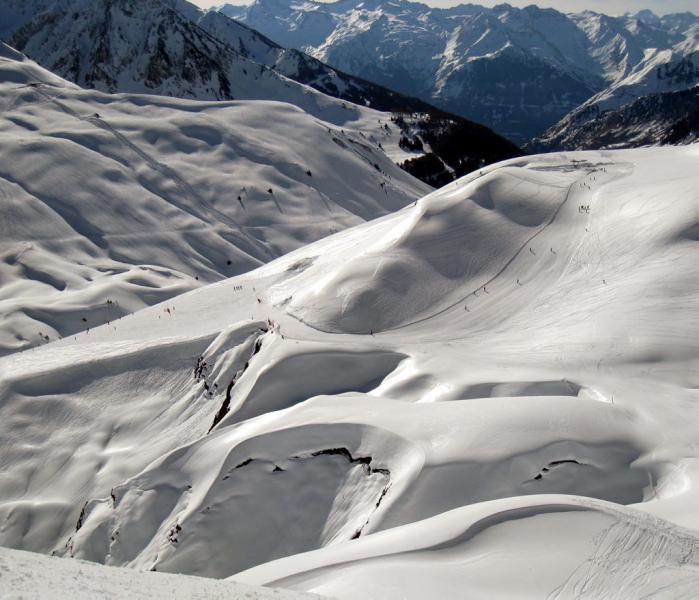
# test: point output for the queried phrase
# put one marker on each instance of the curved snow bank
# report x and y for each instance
(605, 552)
(455, 239)
(289, 377)
(338, 467)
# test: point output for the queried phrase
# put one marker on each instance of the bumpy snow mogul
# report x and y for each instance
(498, 379)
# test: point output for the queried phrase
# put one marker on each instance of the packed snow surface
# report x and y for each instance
(26, 575)
(494, 389)
(110, 203)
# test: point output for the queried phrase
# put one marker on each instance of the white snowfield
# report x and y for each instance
(110, 203)
(492, 393)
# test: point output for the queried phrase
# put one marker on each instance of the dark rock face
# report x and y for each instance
(517, 71)
(657, 119)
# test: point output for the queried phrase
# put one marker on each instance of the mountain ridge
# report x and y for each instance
(172, 48)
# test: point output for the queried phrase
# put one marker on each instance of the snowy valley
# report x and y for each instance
(504, 369)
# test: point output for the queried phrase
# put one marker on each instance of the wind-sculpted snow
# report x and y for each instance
(526, 403)
(420, 263)
(272, 495)
(112, 203)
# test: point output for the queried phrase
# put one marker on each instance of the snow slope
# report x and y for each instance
(173, 48)
(606, 552)
(114, 202)
(516, 70)
(28, 575)
(500, 378)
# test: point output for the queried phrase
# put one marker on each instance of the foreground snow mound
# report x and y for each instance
(28, 575)
(531, 388)
(112, 203)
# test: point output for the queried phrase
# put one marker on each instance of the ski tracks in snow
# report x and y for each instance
(474, 293)
(637, 557)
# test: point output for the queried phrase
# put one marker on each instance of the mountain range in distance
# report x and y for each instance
(517, 70)
(173, 48)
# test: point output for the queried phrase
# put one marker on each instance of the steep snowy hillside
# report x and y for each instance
(173, 48)
(657, 119)
(114, 202)
(653, 80)
(501, 378)
(518, 71)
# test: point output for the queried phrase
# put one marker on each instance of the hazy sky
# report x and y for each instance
(605, 6)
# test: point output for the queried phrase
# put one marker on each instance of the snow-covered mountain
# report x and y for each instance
(656, 119)
(114, 202)
(166, 47)
(35, 577)
(499, 379)
(616, 115)
(516, 70)
(144, 46)
(173, 48)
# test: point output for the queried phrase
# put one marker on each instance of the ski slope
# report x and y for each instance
(115, 202)
(500, 378)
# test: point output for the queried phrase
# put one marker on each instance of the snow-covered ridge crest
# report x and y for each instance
(665, 74)
(654, 119)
